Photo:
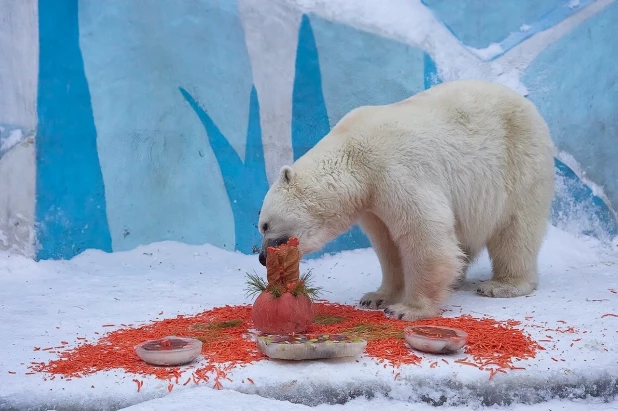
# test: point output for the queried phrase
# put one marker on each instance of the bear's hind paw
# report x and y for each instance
(499, 289)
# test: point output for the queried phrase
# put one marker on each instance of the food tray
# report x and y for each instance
(310, 347)
(434, 339)
(170, 350)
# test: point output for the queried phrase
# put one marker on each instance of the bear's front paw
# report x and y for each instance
(499, 289)
(408, 313)
(375, 300)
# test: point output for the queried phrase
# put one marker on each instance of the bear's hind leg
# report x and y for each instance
(514, 251)
(469, 258)
(390, 263)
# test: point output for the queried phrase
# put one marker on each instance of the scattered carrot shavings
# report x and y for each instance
(108, 325)
(12, 372)
(609, 315)
(170, 387)
(433, 364)
(223, 330)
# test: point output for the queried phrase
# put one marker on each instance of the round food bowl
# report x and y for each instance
(434, 339)
(170, 350)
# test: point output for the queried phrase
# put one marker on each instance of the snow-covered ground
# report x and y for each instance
(47, 302)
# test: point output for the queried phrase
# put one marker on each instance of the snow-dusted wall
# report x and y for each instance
(167, 119)
(19, 61)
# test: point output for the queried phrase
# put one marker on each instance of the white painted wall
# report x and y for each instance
(19, 66)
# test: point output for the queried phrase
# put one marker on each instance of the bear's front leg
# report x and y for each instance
(390, 263)
(431, 261)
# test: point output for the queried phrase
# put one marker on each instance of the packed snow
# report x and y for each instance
(43, 303)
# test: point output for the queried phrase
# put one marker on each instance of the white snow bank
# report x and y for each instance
(44, 303)
(205, 399)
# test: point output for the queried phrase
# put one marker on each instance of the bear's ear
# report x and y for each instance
(286, 174)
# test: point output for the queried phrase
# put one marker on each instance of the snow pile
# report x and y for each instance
(50, 301)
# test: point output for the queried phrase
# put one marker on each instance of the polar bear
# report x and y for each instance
(432, 180)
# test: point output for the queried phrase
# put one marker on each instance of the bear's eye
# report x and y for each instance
(264, 227)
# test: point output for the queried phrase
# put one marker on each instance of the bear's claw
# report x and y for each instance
(374, 301)
(407, 313)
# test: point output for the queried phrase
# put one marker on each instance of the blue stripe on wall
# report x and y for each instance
(245, 182)
(70, 203)
(309, 116)
(310, 121)
(430, 76)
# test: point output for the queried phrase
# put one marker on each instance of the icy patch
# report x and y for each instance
(525, 28)
(488, 53)
(575, 210)
(570, 161)
(14, 138)
(574, 4)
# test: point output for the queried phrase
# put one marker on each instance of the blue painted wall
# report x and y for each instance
(150, 119)
(574, 82)
(70, 204)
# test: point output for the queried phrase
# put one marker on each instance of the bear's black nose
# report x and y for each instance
(263, 258)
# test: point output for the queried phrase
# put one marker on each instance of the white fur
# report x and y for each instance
(432, 180)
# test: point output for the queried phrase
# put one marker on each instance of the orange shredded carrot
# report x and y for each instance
(250, 380)
(444, 361)
(170, 387)
(609, 315)
(108, 325)
(489, 342)
(12, 372)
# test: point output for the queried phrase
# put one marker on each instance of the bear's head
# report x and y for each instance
(295, 206)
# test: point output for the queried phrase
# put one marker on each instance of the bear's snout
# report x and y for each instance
(271, 243)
